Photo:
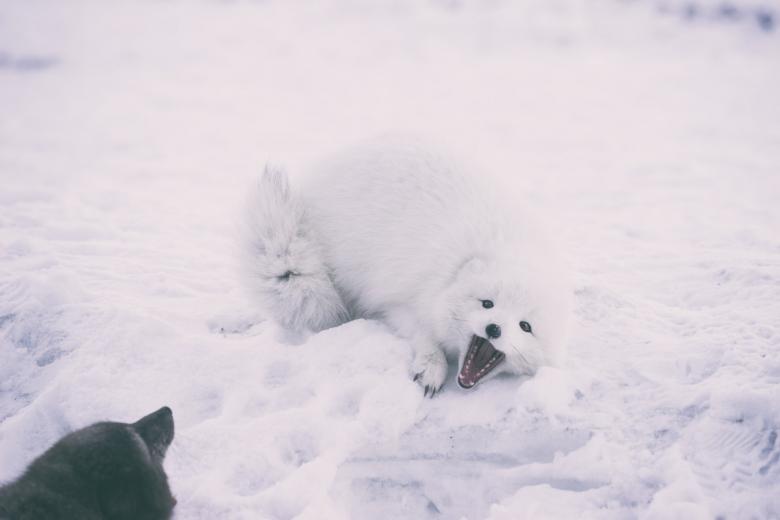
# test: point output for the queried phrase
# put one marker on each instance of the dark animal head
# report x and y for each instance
(123, 464)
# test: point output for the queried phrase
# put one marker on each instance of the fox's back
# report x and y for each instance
(392, 219)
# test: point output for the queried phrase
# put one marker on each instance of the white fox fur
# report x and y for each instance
(285, 264)
(393, 230)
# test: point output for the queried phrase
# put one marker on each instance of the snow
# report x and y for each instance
(131, 131)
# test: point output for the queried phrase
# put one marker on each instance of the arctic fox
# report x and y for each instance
(393, 230)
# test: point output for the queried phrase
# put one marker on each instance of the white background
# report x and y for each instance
(649, 135)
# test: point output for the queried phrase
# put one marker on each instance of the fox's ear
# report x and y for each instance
(156, 429)
(475, 265)
(472, 265)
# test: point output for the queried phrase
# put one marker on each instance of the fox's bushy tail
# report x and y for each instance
(284, 263)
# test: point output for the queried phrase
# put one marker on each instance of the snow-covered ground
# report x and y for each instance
(130, 133)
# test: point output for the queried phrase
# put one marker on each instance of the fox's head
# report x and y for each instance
(505, 315)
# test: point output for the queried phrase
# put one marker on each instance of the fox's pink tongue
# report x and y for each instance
(481, 358)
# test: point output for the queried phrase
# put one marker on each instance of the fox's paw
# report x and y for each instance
(430, 370)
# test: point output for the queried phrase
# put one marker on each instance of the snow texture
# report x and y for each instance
(130, 133)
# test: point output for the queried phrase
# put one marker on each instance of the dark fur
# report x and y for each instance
(107, 471)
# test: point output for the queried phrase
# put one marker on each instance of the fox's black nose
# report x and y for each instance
(493, 331)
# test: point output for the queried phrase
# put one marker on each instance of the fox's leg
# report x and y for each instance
(429, 367)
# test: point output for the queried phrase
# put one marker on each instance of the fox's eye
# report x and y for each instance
(487, 304)
(525, 326)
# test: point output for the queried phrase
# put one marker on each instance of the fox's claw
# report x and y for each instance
(430, 370)
(428, 388)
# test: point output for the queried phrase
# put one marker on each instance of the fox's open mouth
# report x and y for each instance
(481, 358)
